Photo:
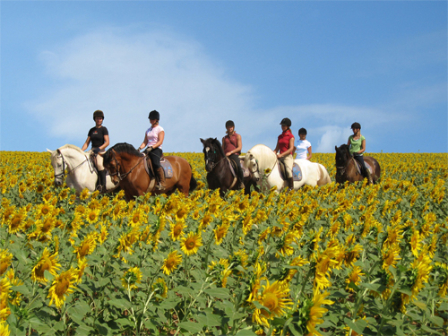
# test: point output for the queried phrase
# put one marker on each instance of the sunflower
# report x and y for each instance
(14, 297)
(206, 220)
(5, 287)
(4, 328)
(137, 218)
(181, 213)
(48, 262)
(84, 194)
(40, 188)
(416, 243)
(354, 277)
(92, 216)
(220, 232)
(5, 260)
(284, 245)
(4, 308)
(15, 223)
(44, 210)
(87, 246)
(160, 287)
(131, 277)
(171, 262)
(220, 271)
(62, 286)
(177, 230)
(103, 234)
(82, 264)
(64, 194)
(276, 298)
(317, 311)
(390, 257)
(191, 243)
(247, 224)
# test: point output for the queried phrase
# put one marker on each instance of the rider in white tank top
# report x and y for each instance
(152, 134)
(303, 148)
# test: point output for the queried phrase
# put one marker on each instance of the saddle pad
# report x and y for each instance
(167, 168)
(358, 167)
(245, 170)
(296, 171)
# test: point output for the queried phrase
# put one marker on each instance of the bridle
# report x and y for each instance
(63, 167)
(212, 158)
(121, 177)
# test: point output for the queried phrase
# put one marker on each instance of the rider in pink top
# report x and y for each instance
(232, 145)
(154, 137)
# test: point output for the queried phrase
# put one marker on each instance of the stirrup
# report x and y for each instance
(159, 186)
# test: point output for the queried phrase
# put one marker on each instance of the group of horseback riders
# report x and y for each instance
(231, 144)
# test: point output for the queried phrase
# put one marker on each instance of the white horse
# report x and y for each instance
(263, 163)
(81, 172)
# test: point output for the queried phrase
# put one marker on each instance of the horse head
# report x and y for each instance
(342, 155)
(251, 163)
(213, 152)
(112, 165)
(59, 165)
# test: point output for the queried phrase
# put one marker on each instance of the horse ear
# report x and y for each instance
(336, 148)
(202, 140)
(49, 150)
(216, 139)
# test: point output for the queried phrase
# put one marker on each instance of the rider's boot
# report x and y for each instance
(102, 180)
(241, 178)
(369, 176)
(161, 176)
(290, 181)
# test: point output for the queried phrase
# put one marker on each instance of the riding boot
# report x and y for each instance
(290, 181)
(161, 176)
(102, 180)
(369, 176)
(241, 178)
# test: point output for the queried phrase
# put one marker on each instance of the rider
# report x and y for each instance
(99, 136)
(303, 148)
(232, 146)
(154, 137)
(357, 144)
(285, 144)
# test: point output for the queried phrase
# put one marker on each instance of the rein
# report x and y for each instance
(63, 167)
(122, 177)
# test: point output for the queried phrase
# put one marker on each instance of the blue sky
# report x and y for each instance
(324, 65)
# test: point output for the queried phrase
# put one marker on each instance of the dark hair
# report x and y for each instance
(286, 122)
(98, 113)
(356, 125)
(154, 115)
(302, 131)
(230, 123)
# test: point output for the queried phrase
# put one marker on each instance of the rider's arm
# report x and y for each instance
(144, 143)
(223, 144)
(239, 142)
(348, 142)
(310, 153)
(86, 144)
(363, 147)
(276, 148)
(106, 142)
(161, 136)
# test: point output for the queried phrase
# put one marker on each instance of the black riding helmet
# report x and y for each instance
(286, 122)
(230, 123)
(356, 125)
(154, 115)
(98, 113)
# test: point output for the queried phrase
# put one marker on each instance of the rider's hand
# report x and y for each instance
(96, 150)
(148, 149)
(229, 153)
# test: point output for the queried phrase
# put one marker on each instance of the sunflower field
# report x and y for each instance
(334, 260)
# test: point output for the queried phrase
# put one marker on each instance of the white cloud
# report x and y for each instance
(127, 75)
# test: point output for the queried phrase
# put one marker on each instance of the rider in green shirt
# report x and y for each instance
(357, 144)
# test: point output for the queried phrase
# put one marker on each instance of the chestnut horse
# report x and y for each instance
(346, 169)
(218, 170)
(126, 167)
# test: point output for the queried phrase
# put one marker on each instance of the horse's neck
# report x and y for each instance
(73, 157)
(266, 158)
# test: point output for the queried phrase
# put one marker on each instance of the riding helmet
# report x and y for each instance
(286, 122)
(230, 123)
(154, 115)
(98, 113)
(356, 125)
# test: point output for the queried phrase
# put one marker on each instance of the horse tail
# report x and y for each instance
(324, 177)
(193, 183)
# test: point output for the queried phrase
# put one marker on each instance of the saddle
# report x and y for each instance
(233, 168)
(166, 165)
(296, 171)
(358, 166)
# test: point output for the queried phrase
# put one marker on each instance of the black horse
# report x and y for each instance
(219, 174)
(346, 169)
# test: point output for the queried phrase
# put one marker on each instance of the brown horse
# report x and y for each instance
(346, 169)
(126, 166)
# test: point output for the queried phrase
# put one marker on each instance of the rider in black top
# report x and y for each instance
(99, 136)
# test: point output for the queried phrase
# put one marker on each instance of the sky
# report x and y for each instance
(322, 64)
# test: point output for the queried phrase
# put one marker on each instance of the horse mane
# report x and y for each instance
(215, 142)
(119, 148)
(343, 149)
(76, 148)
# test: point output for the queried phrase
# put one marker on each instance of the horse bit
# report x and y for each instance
(122, 177)
(63, 167)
